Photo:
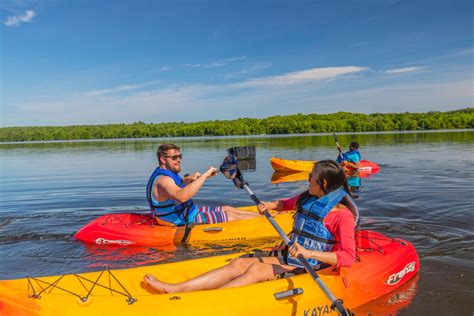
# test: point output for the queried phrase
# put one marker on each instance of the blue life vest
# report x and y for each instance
(169, 210)
(308, 227)
(351, 156)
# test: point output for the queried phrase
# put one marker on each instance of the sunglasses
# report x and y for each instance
(175, 157)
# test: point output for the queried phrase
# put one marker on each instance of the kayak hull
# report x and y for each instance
(139, 229)
(384, 265)
(288, 165)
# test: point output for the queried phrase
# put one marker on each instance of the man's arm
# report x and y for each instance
(351, 164)
(167, 186)
(190, 178)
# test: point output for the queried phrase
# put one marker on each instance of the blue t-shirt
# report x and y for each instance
(353, 156)
(354, 181)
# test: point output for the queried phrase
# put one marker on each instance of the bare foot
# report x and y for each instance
(156, 284)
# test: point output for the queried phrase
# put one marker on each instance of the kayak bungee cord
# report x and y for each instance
(129, 300)
(379, 248)
(231, 171)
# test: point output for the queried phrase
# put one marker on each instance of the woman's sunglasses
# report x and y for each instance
(175, 157)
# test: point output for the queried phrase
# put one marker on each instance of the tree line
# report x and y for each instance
(280, 124)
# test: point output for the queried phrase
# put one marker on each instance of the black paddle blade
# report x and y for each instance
(238, 158)
(239, 181)
(243, 152)
(229, 167)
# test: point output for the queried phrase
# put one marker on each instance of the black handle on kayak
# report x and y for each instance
(336, 304)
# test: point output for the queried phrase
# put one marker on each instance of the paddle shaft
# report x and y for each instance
(338, 146)
(335, 303)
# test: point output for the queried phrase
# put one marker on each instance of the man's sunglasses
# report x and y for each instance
(175, 157)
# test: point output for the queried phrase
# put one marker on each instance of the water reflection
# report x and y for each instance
(50, 190)
(354, 178)
(392, 303)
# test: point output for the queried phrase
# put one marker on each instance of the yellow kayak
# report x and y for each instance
(289, 165)
(382, 266)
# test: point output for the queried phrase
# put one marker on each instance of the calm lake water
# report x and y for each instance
(423, 193)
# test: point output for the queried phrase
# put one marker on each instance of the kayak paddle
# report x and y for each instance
(338, 146)
(232, 172)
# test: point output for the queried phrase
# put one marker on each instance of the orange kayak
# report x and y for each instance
(279, 164)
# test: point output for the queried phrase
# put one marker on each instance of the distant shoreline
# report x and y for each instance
(298, 124)
(185, 138)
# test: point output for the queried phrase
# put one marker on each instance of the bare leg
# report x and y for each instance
(210, 280)
(234, 214)
(259, 272)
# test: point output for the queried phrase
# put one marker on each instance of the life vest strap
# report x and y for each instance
(166, 214)
(309, 214)
(313, 237)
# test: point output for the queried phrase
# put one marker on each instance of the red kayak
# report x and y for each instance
(140, 229)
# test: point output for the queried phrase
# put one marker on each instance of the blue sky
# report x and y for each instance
(94, 62)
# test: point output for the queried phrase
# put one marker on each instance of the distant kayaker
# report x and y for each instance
(170, 196)
(324, 224)
(350, 159)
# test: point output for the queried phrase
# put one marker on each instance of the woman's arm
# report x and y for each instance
(279, 205)
(326, 257)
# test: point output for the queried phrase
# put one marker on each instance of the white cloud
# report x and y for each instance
(118, 89)
(302, 77)
(218, 63)
(165, 68)
(397, 71)
(252, 69)
(192, 103)
(16, 20)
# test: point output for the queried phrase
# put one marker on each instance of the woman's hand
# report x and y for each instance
(296, 249)
(267, 206)
(263, 206)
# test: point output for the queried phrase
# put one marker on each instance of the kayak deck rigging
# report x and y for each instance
(80, 278)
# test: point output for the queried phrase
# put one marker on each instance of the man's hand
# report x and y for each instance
(190, 178)
(211, 172)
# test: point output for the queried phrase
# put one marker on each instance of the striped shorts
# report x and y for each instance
(210, 215)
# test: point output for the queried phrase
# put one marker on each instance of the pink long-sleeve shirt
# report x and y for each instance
(340, 224)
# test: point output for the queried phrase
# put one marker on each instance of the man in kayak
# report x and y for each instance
(350, 159)
(170, 196)
(324, 224)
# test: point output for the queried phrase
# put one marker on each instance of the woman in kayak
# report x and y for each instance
(324, 223)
